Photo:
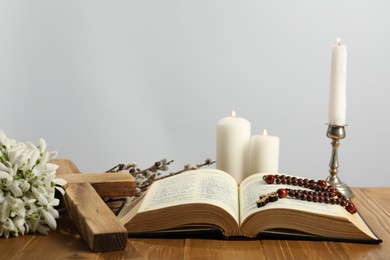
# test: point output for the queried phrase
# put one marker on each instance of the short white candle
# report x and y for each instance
(233, 138)
(338, 82)
(264, 153)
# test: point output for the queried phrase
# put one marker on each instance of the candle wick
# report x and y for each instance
(264, 132)
(233, 113)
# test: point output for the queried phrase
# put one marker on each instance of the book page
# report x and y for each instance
(208, 186)
(254, 186)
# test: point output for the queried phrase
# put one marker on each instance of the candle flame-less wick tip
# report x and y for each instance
(264, 132)
(338, 41)
(233, 113)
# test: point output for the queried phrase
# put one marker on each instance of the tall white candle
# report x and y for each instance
(338, 82)
(264, 153)
(233, 138)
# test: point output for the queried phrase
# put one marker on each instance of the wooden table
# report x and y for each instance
(66, 243)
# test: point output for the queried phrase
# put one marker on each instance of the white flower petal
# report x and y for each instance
(30, 146)
(28, 200)
(24, 185)
(54, 202)
(34, 224)
(13, 170)
(2, 136)
(44, 159)
(6, 233)
(53, 155)
(22, 229)
(3, 167)
(49, 219)
(42, 145)
(42, 229)
(19, 222)
(34, 155)
(41, 198)
(60, 181)
(13, 155)
(20, 210)
(15, 189)
(27, 228)
(4, 175)
(11, 200)
(53, 212)
(5, 209)
(9, 224)
(60, 190)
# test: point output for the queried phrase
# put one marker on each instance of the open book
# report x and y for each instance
(210, 198)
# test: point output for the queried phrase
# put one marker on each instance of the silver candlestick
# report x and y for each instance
(337, 132)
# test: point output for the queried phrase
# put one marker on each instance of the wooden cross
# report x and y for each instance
(95, 221)
(264, 199)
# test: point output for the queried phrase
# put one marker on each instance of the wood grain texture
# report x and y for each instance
(374, 206)
(66, 243)
(94, 220)
(96, 223)
(116, 184)
(65, 166)
(222, 249)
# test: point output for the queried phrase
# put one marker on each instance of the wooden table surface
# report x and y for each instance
(66, 243)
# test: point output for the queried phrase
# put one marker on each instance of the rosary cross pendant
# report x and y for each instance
(264, 199)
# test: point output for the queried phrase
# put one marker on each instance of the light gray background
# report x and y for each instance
(107, 82)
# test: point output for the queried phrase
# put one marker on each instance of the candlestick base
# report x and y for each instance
(342, 187)
(337, 132)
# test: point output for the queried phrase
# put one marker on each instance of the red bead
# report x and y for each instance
(269, 179)
(351, 208)
(282, 193)
(322, 183)
(332, 191)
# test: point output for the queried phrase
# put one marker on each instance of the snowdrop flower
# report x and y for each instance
(27, 187)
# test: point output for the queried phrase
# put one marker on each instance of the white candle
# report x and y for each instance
(233, 138)
(338, 82)
(264, 153)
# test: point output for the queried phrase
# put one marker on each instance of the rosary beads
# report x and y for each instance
(319, 192)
